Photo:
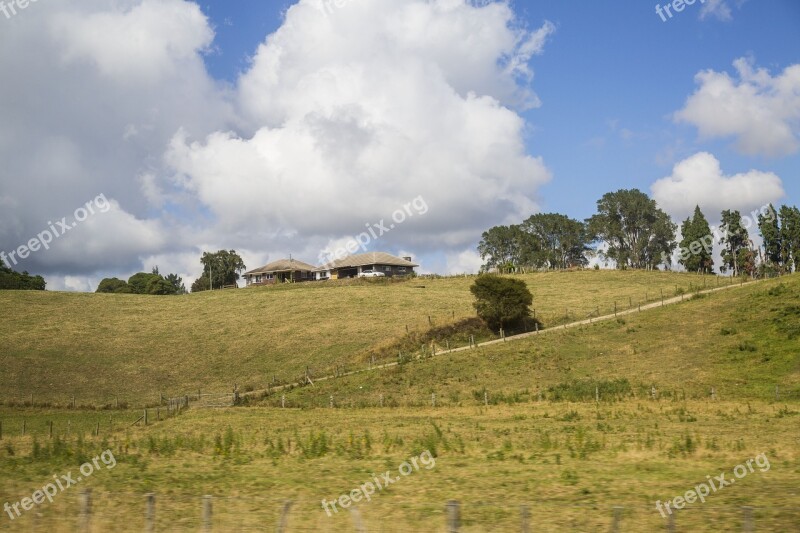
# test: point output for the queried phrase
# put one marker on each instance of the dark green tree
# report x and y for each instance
(160, 286)
(500, 301)
(200, 284)
(790, 237)
(16, 281)
(506, 248)
(768, 227)
(114, 285)
(697, 243)
(636, 232)
(735, 241)
(560, 242)
(177, 282)
(224, 267)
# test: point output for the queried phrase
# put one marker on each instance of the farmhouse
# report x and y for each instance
(283, 270)
(353, 265)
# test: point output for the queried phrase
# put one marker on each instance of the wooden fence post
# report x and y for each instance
(207, 513)
(453, 517)
(150, 513)
(85, 500)
(747, 521)
(671, 522)
(525, 519)
(357, 523)
(617, 519)
(284, 520)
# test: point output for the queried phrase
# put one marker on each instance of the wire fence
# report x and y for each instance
(85, 511)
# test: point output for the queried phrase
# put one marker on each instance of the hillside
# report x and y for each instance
(102, 346)
(742, 342)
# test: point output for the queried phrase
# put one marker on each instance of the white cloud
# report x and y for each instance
(358, 111)
(761, 111)
(718, 9)
(465, 262)
(699, 180)
(341, 117)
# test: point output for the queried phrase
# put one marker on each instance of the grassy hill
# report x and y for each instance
(568, 458)
(101, 346)
(742, 342)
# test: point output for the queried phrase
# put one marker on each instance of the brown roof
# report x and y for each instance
(282, 265)
(369, 258)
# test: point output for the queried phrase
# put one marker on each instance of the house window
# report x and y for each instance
(401, 269)
(387, 269)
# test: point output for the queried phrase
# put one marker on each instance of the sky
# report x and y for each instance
(141, 133)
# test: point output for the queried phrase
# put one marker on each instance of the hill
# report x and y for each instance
(99, 347)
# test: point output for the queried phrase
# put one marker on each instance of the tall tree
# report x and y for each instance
(505, 248)
(561, 242)
(697, 244)
(771, 234)
(636, 232)
(735, 241)
(222, 267)
(790, 237)
(177, 282)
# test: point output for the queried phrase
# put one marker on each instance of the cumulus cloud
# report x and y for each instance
(761, 111)
(343, 116)
(699, 180)
(93, 94)
(358, 110)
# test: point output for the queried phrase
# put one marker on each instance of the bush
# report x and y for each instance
(501, 302)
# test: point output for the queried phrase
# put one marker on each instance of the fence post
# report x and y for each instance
(433, 399)
(747, 523)
(207, 513)
(86, 510)
(617, 519)
(525, 519)
(453, 517)
(356, 516)
(150, 513)
(671, 522)
(283, 522)
(283, 401)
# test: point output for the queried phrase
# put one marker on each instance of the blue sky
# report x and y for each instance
(287, 127)
(609, 80)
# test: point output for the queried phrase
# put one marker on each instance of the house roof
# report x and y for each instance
(282, 265)
(369, 258)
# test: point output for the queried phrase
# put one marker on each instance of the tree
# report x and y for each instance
(177, 282)
(16, 281)
(790, 237)
(697, 244)
(159, 285)
(200, 284)
(505, 248)
(224, 267)
(501, 301)
(636, 232)
(560, 242)
(735, 240)
(114, 286)
(771, 234)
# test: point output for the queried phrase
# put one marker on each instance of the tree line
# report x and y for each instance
(11, 280)
(632, 231)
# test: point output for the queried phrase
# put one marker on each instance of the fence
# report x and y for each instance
(85, 511)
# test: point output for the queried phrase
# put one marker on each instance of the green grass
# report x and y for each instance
(100, 347)
(571, 462)
(742, 342)
(569, 458)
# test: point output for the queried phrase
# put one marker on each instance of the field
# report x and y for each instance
(102, 348)
(581, 429)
